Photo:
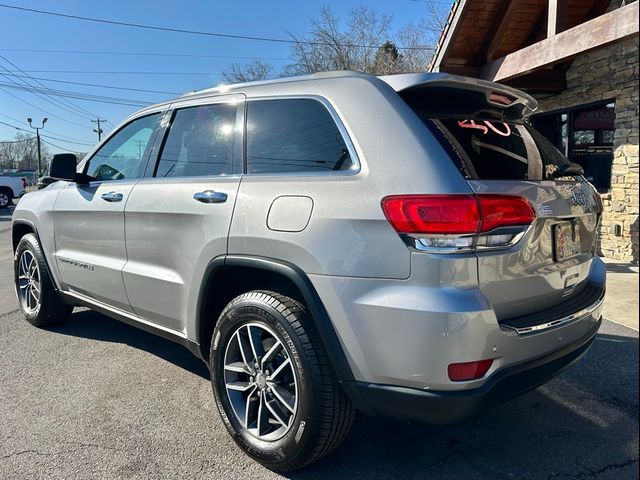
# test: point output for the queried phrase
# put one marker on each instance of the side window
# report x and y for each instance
(121, 157)
(293, 135)
(200, 142)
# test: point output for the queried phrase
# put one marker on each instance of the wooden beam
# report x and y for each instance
(451, 29)
(504, 20)
(541, 81)
(460, 70)
(557, 17)
(611, 27)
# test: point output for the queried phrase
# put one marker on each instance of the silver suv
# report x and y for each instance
(405, 246)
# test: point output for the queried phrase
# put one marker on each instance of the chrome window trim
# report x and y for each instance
(337, 120)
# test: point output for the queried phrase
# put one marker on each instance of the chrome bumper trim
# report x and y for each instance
(559, 322)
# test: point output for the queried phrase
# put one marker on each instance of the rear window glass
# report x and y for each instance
(293, 136)
(495, 150)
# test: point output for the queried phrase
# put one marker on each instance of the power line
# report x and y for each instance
(142, 54)
(60, 103)
(193, 32)
(52, 132)
(81, 96)
(47, 136)
(24, 84)
(56, 146)
(17, 141)
(40, 108)
(13, 126)
(120, 72)
(67, 141)
(102, 86)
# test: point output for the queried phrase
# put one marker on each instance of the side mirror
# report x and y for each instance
(63, 167)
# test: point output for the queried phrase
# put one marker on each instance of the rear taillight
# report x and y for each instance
(432, 213)
(459, 222)
(504, 211)
(461, 372)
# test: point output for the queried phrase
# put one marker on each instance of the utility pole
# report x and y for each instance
(98, 130)
(37, 129)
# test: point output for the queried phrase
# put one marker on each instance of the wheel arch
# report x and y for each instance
(239, 274)
(21, 227)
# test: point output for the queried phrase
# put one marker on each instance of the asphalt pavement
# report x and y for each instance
(95, 398)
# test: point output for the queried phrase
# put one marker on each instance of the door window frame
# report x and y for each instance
(238, 148)
(144, 164)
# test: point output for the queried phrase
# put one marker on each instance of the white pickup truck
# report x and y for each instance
(10, 188)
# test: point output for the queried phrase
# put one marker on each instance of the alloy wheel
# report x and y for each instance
(29, 282)
(260, 381)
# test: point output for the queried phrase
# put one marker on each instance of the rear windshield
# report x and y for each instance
(496, 150)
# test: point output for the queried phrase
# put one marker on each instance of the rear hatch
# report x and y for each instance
(483, 127)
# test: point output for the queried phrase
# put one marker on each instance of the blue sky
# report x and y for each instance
(22, 30)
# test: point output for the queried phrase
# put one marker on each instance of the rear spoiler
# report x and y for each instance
(455, 93)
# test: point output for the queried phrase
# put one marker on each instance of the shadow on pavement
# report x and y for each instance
(620, 268)
(582, 423)
(579, 425)
(5, 214)
(92, 325)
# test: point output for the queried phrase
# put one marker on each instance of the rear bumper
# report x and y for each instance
(445, 407)
(406, 333)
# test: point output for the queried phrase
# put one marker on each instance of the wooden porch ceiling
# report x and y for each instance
(484, 33)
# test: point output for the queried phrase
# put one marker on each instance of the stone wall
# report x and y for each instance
(611, 73)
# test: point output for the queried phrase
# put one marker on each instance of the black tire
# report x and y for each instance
(324, 414)
(6, 198)
(49, 309)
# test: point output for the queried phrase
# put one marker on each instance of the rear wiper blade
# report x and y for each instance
(568, 170)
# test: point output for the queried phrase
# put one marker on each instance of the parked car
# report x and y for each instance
(10, 188)
(406, 246)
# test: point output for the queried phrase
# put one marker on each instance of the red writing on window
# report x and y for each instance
(502, 129)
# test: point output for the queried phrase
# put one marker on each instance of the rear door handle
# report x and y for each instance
(210, 196)
(112, 197)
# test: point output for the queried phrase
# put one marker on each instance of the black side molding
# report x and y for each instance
(301, 281)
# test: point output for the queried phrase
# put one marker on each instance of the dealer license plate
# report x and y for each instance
(567, 241)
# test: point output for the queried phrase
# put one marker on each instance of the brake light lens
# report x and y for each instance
(456, 214)
(504, 211)
(432, 213)
(462, 372)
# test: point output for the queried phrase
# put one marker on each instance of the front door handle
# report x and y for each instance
(209, 196)
(112, 197)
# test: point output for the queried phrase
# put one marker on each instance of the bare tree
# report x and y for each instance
(418, 47)
(21, 152)
(364, 43)
(247, 72)
(328, 47)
